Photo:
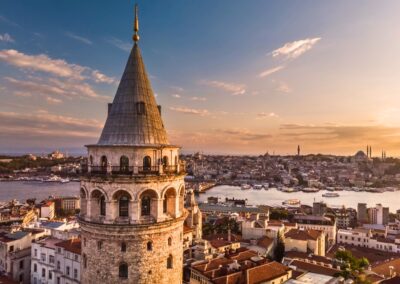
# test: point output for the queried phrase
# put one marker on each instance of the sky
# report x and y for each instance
(232, 76)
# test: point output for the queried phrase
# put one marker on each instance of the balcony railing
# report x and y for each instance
(132, 171)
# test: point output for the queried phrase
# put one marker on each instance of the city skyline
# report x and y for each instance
(322, 75)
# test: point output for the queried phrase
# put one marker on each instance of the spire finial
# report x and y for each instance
(136, 25)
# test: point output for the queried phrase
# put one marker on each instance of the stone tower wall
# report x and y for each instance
(144, 266)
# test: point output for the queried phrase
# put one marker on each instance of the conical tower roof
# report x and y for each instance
(134, 118)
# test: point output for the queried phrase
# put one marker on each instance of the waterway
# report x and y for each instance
(22, 190)
(274, 197)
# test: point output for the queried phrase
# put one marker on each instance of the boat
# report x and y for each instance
(64, 180)
(257, 186)
(245, 187)
(291, 202)
(288, 189)
(266, 186)
(310, 189)
(330, 194)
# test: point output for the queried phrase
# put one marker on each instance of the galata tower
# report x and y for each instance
(132, 192)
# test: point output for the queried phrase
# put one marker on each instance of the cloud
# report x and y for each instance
(99, 77)
(53, 101)
(79, 38)
(123, 45)
(176, 96)
(42, 63)
(7, 21)
(6, 38)
(200, 99)
(270, 71)
(185, 110)
(57, 67)
(233, 88)
(262, 115)
(292, 50)
(283, 87)
(52, 86)
(45, 124)
(244, 134)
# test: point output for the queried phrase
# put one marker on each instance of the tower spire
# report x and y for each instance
(136, 26)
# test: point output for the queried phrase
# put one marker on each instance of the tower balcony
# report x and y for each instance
(133, 170)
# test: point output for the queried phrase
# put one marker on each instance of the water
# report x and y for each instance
(40, 190)
(275, 197)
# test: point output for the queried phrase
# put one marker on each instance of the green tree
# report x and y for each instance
(279, 251)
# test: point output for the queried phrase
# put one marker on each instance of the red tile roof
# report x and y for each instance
(72, 245)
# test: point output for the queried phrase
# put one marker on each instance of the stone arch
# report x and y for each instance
(124, 164)
(84, 196)
(169, 201)
(148, 203)
(123, 199)
(181, 198)
(98, 203)
(103, 163)
(165, 161)
(147, 163)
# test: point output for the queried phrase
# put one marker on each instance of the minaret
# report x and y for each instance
(132, 193)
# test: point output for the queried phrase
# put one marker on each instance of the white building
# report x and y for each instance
(47, 210)
(56, 261)
(378, 215)
(362, 237)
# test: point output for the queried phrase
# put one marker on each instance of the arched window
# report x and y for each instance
(147, 163)
(99, 245)
(149, 245)
(165, 201)
(91, 160)
(123, 247)
(165, 161)
(123, 206)
(102, 206)
(169, 241)
(82, 193)
(103, 163)
(84, 261)
(170, 262)
(123, 270)
(124, 164)
(145, 206)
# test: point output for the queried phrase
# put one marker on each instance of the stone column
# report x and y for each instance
(110, 210)
(89, 208)
(159, 208)
(134, 213)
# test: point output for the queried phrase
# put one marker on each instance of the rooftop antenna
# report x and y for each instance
(136, 26)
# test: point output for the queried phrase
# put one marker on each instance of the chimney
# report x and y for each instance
(109, 108)
(159, 109)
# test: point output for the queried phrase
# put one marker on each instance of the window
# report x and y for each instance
(21, 278)
(123, 247)
(169, 241)
(76, 257)
(34, 280)
(140, 108)
(91, 160)
(76, 273)
(149, 246)
(35, 252)
(43, 257)
(84, 242)
(169, 262)
(58, 265)
(51, 258)
(146, 163)
(34, 267)
(43, 272)
(58, 280)
(21, 264)
(124, 164)
(165, 161)
(103, 163)
(50, 275)
(84, 261)
(67, 270)
(11, 248)
(124, 206)
(146, 202)
(99, 245)
(102, 206)
(123, 270)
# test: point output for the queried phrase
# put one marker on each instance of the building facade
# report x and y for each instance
(132, 194)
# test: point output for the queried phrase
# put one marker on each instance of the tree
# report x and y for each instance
(279, 251)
